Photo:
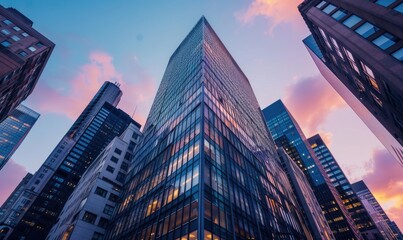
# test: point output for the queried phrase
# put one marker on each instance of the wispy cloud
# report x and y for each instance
(274, 11)
(138, 88)
(311, 100)
(10, 177)
(386, 183)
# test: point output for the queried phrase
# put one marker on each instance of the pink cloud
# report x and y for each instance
(70, 101)
(10, 176)
(275, 11)
(386, 183)
(311, 100)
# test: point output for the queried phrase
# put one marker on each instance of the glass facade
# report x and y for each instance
(13, 131)
(206, 167)
(366, 196)
(108, 123)
(339, 180)
(288, 135)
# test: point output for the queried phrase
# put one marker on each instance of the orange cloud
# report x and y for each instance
(139, 90)
(311, 100)
(386, 183)
(10, 176)
(275, 11)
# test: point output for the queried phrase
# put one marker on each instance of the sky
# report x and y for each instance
(131, 41)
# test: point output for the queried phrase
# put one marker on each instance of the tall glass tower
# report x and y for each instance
(287, 134)
(13, 131)
(206, 167)
(361, 217)
(36, 210)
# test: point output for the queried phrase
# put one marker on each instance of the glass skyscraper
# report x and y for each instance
(350, 199)
(370, 203)
(288, 135)
(48, 190)
(306, 198)
(359, 50)
(13, 131)
(206, 167)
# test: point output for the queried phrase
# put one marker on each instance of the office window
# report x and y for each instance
(339, 14)
(359, 85)
(97, 236)
(120, 177)
(6, 43)
(321, 4)
(8, 22)
(5, 32)
(89, 217)
(22, 54)
(16, 28)
(32, 49)
(15, 38)
(352, 21)
(110, 169)
(114, 159)
(39, 44)
(124, 166)
(108, 209)
(329, 8)
(385, 41)
(103, 222)
(376, 99)
(398, 54)
(101, 192)
(370, 76)
(367, 29)
(385, 3)
(113, 197)
(24, 34)
(399, 8)
(118, 151)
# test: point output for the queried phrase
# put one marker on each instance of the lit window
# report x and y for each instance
(8, 22)
(16, 28)
(321, 4)
(398, 54)
(399, 8)
(339, 14)
(15, 38)
(367, 29)
(352, 21)
(5, 43)
(385, 41)
(32, 49)
(329, 8)
(5, 31)
(89, 217)
(385, 3)
(24, 34)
